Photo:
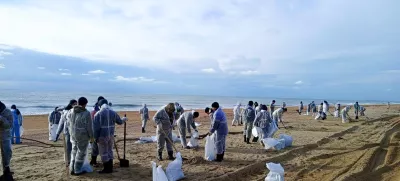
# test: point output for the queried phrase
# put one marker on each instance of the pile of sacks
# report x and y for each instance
(173, 172)
(278, 144)
(153, 139)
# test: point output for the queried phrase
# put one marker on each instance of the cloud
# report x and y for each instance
(41, 68)
(66, 74)
(185, 31)
(63, 70)
(97, 72)
(85, 74)
(239, 64)
(2, 66)
(249, 72)
(208, 70)
(6, 47)
(4, 53)
(132, 79)
(299, 82)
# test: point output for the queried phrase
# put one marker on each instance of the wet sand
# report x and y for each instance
(322, 150)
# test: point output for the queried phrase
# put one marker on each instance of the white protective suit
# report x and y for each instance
(345, 114)
(236, 114)
(337, 110)
(325, 107)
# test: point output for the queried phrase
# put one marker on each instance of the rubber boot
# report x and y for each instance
(159, 156)
(219, 158)
(108, 167)
(143, 131)
(223, 154)
(245, 139)
(7, 176)
(171, 155)
(248, 140)
(93, 162)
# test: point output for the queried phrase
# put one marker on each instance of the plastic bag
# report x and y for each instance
(276, 172)
(194, 141)
(210, 150)
(174, 138)
(272, 129)
(256, 131)
(280, 145)
(21, 131)
(197, 124)
(161, 174)
(86, 165)
(174, 169)
(270, 143)
(53, 132)
(288, 139)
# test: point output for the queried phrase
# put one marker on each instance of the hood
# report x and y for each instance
(79, 109)
(2, 106)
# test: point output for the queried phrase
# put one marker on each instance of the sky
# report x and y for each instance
(331, 49)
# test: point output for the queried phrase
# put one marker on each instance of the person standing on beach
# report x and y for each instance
(144, 114)
(309, 109)
(337, 110)
(250, 115)
(301, 107)
(81, 130)
(62, 127)
(388, 105)
(103, 132)
(283, 104)
(210, 113)
(325, 107)
(263, 120)
(178, 112)
(164, 119)
(185, 121)
(95, 147)
(54, 120)
(272, 107)
(219, 126)
(6, 124)
(356, 109)
(17, 117)
(236, 114)
(314, 109)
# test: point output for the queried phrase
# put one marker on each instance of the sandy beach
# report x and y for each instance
(322, 150)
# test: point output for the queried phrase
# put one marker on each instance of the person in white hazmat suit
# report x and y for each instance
(54, 119)
(236, 114)
(325, 107)
(263, 120)
(272, 107)
(337, 110)
(249, 115)
(277, 115)
(144, 114)
(185, 121)
(79, 123)
(345, 114)
(178, 112)
(301, 107)
(164, 119)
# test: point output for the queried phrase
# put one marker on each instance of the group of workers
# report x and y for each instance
(81, 127)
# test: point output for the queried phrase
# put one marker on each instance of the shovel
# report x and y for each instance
(172, 143)
(124, 163)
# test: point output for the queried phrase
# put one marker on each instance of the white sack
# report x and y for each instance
(270, 143)
(174, 169)
(210, 150)
(256, 131)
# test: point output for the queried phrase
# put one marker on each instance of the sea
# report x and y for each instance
(39, 103)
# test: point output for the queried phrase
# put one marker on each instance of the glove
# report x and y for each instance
(58, 135)
(196, 130)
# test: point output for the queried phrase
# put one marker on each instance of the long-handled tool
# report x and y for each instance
(124, 162)
(170, 141)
